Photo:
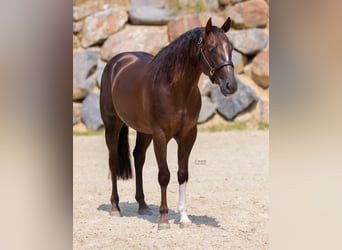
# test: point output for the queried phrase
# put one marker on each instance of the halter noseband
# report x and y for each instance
(217, 67)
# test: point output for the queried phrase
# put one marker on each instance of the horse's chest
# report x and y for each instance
(182, 118)
(178, 112)
(188, 112)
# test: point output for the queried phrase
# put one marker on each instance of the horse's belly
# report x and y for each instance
(136, 122)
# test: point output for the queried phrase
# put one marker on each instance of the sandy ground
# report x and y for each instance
(227, 196)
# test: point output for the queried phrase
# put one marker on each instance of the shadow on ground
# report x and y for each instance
(131, 210)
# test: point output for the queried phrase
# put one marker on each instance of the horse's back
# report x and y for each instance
(124, 60)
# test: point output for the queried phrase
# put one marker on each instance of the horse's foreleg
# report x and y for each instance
(185, 144)
(139, 152)
(160, 147)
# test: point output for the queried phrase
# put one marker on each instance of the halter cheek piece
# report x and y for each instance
(217, 67)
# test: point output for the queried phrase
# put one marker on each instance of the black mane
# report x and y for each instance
(176, 56)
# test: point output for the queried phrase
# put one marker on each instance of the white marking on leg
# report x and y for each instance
(182, 204)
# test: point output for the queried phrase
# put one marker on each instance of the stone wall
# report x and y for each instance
(104, 28)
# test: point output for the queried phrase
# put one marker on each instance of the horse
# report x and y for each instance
(158, 96)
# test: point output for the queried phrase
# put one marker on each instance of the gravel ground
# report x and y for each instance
(227, 196)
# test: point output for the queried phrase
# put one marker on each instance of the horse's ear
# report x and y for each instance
(225, 27)
(208, 26)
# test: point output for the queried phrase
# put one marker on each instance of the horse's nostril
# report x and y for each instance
(228, 86)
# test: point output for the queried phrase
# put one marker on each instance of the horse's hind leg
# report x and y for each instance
(112, 130)
(139, 152)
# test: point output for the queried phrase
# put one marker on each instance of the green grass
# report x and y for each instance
(263, 126)
(200, 6)
(221, 127)
(224, 127)
(101, 131)
(197, 5)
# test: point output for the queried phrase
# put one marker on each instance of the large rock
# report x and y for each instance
(249, 14)
(76, 107)
(261, 113)
(149, 14)
(260, 69)
(99, 70)
(88, 8)
(204, 85)
(231, 106)
(79, 93)
(189, 21)
(243, 117)
(135, 38)
(261, 110)
(225, 2)
(198, 5)
(207, 109)
(100, 26)
(247, 70)
(79, 128)
(249, 41)
(75, 42)
(84, 64)
(77, 27)
(90, 111)
(229, 2)
(211, 5)
(239, 61)
(263, 94)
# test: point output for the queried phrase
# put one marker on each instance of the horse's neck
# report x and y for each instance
(192, 72)
(191, 76)
(178, 66)
(187, 85)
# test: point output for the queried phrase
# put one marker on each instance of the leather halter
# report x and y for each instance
(217, 67)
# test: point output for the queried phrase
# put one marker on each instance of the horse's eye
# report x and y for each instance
(211, 49)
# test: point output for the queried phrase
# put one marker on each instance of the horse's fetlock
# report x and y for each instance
(182, 176)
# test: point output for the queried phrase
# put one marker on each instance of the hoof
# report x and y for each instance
(115, 213)
(185, 224)
(162, 226)
(145, 211)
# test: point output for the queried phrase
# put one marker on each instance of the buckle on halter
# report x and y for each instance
(212, 72)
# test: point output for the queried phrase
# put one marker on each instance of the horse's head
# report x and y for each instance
(216, 52)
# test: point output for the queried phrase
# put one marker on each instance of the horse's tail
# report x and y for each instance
(125, 169)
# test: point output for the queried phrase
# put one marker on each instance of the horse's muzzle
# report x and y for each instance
(228, 88)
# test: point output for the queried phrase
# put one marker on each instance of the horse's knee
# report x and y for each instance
(182, 176)
(164, 176)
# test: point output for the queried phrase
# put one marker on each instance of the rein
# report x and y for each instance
(217, 67)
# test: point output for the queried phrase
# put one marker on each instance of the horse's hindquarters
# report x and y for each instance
(130, 90)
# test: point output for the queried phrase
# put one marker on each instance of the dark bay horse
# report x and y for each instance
(158, 96)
